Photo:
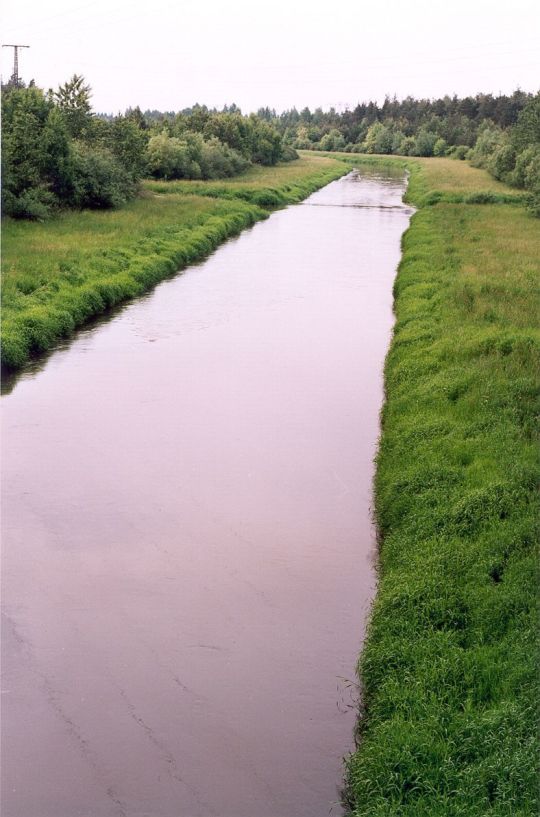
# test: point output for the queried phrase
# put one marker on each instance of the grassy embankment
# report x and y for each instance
(60, 273)
(449, 717)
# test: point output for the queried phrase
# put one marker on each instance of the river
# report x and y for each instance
(187, 542)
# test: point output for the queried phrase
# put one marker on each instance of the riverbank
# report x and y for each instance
(61, 273)
(448, 721)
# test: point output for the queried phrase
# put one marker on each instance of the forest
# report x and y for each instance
(57, 152)
(500, 134)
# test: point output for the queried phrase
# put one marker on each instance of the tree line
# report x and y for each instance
(56, 152)
(501, 134)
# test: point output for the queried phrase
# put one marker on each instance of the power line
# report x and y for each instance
(15, 75)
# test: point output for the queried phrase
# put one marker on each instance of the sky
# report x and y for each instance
(168, 55)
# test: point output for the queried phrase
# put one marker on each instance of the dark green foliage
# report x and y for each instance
(288, 154)
(459, 152)
(44, 168)
(408, 127)
(491, 131)
(56, 153)
(425, 143)
(73, 100)
(514, 156)
(127, 141)
(192, 157)
(36, 158)
(99, 179)
(255, 139)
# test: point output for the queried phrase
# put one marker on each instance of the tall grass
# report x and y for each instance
(438, 180)
(263, 186)
(61, 273)
(449, 668)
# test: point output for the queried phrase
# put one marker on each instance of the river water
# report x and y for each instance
(187, 543)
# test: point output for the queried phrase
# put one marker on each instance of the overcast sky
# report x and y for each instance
(168, 55)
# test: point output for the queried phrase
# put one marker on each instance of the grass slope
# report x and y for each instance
(60, 273)
(449, 668)
(264, 186)
(440, 180)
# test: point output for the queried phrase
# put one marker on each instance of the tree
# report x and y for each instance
(379, 139)
(73, 99)
(127, 141)
(526, 131)
(35, 154)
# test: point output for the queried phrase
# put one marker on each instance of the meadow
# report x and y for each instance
(60, 273)
(448, 720)
(264, 186)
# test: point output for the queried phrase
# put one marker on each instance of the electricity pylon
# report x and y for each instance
(15, 75)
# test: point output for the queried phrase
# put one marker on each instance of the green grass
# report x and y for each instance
(265, 186)
(449, 715)
(59, 274)
(440, 180)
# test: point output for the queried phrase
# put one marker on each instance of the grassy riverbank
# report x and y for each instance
(448, 671)
(264, 186)
(60, 273)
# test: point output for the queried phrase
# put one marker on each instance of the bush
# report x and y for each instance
(219, 161)
(397, 142)
(407, 146)
(440, 147)
(192, 157)
(489, 140)
(44, 168)
(99, 180)
(35, 203)
(501, 163)
(459, 152)
(333, 140)
(425, 143)
(289, 154)
(527, 167)
(35, 154)
(379, 139)
(166, 157)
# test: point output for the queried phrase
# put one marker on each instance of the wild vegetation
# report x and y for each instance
(501, 134)
(407, 127)
(448, 725)
(64, 271)
(449, 670)
(266, 187)
(57, 154)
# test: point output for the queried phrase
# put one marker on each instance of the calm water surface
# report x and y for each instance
(187, 558)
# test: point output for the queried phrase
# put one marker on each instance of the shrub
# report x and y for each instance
(35, 203)
(440, 147)
(99, 180)
(379, 139)
(407, 146)
(527, 167)
(192, 157)
(425, 143)
(489, 140)
(288, 154)
(501, 163)
(459, 152)
(333, 140)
